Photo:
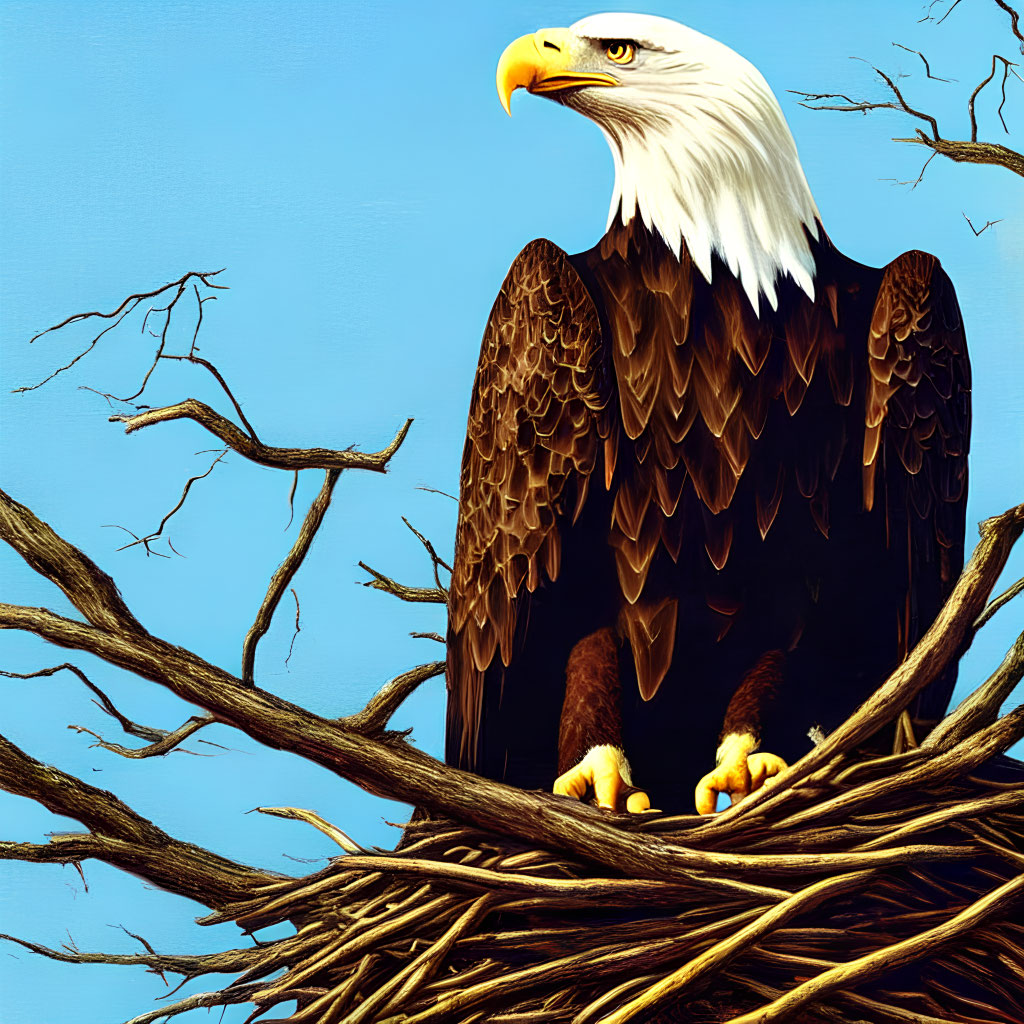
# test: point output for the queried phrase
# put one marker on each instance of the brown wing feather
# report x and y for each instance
(918, 419)
(532, 441)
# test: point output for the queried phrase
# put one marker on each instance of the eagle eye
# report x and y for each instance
(620, 51)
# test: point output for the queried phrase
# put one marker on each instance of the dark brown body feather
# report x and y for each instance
(645, 452)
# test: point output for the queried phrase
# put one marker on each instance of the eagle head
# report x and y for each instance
(702, 150)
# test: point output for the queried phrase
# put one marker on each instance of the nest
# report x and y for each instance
(878, 890)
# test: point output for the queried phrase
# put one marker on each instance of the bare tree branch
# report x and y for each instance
(226, 997)
(230, 961)
(982, 230)
(144, 732)
(896, 955)
(88, 588)
(286, 573)
(972, 152)
(1007, 65)
(996, 603)
(416, 595)
(162, 746)
(960, 151)
(981, 708)
(389, 768)
(924, 60)
(265, 455)
(157, 533)
(161, 741)
(429, 636)
(332, 832)
(374, 718)
(436, 560)
(119, 835)
(1014, 22)
(117, 315)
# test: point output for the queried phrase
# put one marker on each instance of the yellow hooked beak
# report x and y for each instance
(541, 63)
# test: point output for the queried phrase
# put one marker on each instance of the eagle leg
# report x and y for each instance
(738, 769)
(592, 764)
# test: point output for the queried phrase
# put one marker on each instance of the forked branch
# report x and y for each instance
(969, 150)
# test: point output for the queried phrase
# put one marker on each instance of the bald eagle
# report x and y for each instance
(715, 474)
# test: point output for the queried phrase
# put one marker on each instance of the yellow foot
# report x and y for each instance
(739, 772)
(605, 773)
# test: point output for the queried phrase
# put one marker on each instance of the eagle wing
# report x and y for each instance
(533, 439)
(918, 421)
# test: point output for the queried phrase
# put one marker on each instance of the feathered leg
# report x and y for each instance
(590, 753)
(738, 770)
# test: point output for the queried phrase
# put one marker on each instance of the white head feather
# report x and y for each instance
(702, 152)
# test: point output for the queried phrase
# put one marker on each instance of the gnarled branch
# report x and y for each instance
(266, 455)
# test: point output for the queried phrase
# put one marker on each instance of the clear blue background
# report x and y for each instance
(351, 167)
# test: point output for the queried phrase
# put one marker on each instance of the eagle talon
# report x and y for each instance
(602, 779)
(739, 774)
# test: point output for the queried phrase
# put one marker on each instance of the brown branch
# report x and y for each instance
(285, 573)
(958, 760)
(255, 451)
(226, 997)
(1014, 21)
(924, 60)
(893, 956)
(156, 534)
(144, 732)
(398, 989)
(161, 741)
(436, 560)
(120, 836)
(436, 637)
(960, 151)
(229, 961)
(973, 152)
(415, 595)
(997, 602)
(725, 951)
(162, 746)
(374, 718)
(978, 232)
(396, 770)
(946, 637)
(980, 708)
(117, 315)
(332, 832)
(981, 85)
(88, 588)
(216, 374)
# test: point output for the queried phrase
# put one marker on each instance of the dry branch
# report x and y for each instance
(256, 451)
(119, 835)
(959, 150)
(374, 718)
(286, 573)
(415, 595)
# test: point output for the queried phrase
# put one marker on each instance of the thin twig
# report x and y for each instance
(981, 230)
(416, 595)
(155, 535)
(924, 60)
(166, 745)
(285, 574)
(996, 603)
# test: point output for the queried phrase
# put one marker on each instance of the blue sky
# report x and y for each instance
(351, 167)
